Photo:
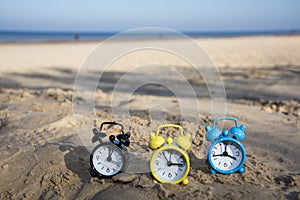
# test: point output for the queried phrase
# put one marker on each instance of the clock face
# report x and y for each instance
(169, 165)
(107, 159)
(226, 155)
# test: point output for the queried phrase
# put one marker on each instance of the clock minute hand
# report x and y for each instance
(169, 162)
(225, 148)
(165, 156)
(109, 155)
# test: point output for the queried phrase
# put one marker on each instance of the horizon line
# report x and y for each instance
(182, 31)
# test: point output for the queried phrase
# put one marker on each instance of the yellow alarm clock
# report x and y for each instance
(170, 162)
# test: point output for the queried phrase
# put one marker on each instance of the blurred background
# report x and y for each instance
(31, 20)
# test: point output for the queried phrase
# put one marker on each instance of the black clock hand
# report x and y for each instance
(109, 155)
(165, 156)
(169, 163)
(225, 154)
(178, 164)
(116, 163)
(218, 155)
(234, 158)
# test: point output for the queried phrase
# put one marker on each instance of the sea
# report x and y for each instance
(57, 36)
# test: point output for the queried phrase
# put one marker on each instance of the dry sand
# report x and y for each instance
(42, 156)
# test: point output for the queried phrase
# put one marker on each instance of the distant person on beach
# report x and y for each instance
(76, 36)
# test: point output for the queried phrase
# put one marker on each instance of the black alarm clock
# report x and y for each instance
(109, 158)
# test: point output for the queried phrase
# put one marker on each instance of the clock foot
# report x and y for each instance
(185, 181)
(212, 171)
(155, 181)
(93, 174)
(242, 170)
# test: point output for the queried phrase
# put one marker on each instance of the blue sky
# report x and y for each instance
(113, 15)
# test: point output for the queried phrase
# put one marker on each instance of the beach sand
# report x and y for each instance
(43, 157)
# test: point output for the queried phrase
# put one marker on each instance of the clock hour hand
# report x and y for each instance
(225, 154)
(178, 164)
(234, 158)
(116, 163)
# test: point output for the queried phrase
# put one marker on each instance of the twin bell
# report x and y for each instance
(213, 133)
(156, 141)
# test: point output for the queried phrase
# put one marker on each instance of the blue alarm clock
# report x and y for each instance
(226, 154)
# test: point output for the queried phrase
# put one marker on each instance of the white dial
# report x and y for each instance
(108, 160)
(169, 165)
(226, 155)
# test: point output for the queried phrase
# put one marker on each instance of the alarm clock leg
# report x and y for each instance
(155, 181)
(212, 171)
(93, 174)
(185, 181)
(242, 170)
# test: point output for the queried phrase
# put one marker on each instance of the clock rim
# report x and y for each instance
(123, 155)
(185, 155)
(232, 170)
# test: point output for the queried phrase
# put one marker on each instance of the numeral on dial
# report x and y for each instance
(169, 165)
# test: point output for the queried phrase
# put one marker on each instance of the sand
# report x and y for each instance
(43, 157)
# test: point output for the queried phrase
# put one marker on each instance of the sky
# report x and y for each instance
(121, 15)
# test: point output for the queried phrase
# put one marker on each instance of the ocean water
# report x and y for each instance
(35, 36)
